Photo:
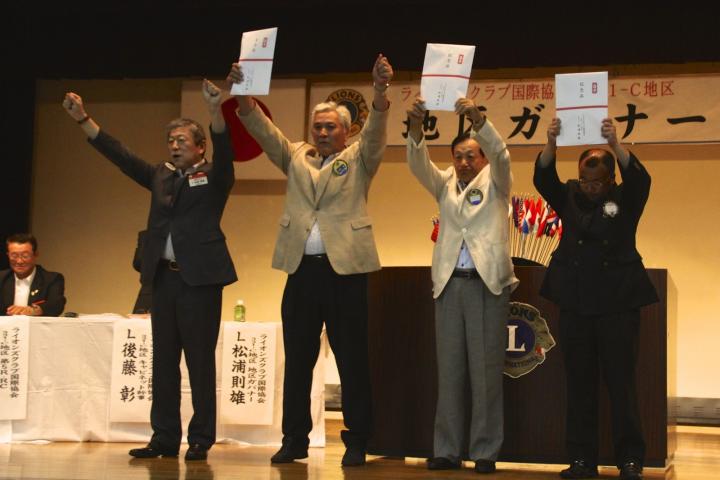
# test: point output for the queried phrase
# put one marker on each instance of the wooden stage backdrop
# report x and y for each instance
(403, 370)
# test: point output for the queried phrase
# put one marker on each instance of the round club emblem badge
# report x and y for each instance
(355, 103)
(475, 196)
(340, 167)
(528, 340)
(610, 209)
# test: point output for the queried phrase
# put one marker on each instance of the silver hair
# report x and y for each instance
(342, 111)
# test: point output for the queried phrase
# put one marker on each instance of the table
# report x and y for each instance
(69, 390)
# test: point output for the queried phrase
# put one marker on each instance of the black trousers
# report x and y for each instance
(315, 294)
(591, 343)
(184, 318)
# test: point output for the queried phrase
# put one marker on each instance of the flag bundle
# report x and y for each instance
(436, 228)
(535, 228)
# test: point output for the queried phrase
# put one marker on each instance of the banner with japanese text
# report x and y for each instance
(248, 373)
(14, 342)
(131, 380)
(668, 109)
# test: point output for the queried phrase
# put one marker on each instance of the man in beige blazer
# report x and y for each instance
(326, 245)
(472, 277)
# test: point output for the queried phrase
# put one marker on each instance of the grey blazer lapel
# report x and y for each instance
(311, 173)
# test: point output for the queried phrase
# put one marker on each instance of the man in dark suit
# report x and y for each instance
(27, 288)
(143, 302)
(186, 260)
(597, 277)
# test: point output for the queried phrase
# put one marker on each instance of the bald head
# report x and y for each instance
(596, 173)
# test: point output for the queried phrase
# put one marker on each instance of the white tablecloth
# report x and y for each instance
(69, 390)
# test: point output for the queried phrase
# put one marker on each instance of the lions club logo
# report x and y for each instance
(355, 103)
(340, 167)
(528, 340)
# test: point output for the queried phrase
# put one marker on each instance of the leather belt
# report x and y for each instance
(170, 264)
(465, 273)
(319, 256)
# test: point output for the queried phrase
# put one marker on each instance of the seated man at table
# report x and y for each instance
(26, 288)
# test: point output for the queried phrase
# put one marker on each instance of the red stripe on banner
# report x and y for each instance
(578, 108)
(447, 76)
(255, 60)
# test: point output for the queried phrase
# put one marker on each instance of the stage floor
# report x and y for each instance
(697, 458)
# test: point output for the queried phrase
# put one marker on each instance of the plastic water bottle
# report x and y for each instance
(239, 312)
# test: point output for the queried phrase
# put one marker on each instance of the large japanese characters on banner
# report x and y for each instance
(248, 373)
(674, 109)
(131, 377)
(14, 341)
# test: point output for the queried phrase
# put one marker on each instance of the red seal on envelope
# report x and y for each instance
(244, 145)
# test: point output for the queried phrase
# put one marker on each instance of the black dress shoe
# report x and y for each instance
(631, 471)
(150, 451)
(580, 469)
(484, 466)
(442, 463)
(288, 454)
(354, 456)
(196, 452)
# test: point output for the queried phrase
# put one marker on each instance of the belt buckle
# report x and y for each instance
(173, 265)
(464, 273)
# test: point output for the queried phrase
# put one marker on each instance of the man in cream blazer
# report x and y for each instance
(326, 246)
(472, 277)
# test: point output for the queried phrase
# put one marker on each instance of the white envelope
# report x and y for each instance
(257, 51)
(446, 74)
(581, 105)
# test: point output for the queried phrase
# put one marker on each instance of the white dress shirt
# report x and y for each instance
(22, 289)
(465, 261)
(314, 244)
(168, 252)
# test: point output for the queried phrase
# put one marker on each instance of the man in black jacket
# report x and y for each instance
(597, 278)
(27, 288)
(186, 260)
(143, 302)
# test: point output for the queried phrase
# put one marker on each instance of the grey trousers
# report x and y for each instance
(471, 337)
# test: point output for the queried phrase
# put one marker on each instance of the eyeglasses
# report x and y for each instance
(17, 256)
(593, 183)
(180, 140)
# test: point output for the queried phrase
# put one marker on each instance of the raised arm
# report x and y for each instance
(491, 143)
(223, 154)
(373, 136)
(212, 97)
(246, 104)
(418, 156)
(550, 149)
(607, 130)
(271, 139)
(73, 105)
(130, 164)
(635, 178)
(382, 75)
(545, 177)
